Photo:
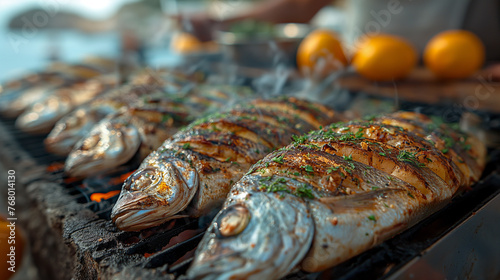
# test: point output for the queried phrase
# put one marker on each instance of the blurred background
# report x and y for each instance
(34, 32)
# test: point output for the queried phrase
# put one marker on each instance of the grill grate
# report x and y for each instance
(167, 250)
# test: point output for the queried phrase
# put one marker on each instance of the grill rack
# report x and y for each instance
(147, 253)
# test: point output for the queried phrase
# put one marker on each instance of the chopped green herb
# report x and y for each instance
(372, 218)
(375, 188)
(281, 180)
(186, 146)
(349, 136)
(307, 168)
(406, 156)
(332, 169)
(165, 118)
(299, 139)
(279, 159)
(304, 192)
(382, 154)
(448, 142)
(349, 157)
(445, 150)
(410, 195)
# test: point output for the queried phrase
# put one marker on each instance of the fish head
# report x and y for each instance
(73, 127)
(109, 144)
(40, 117)
(69, 130)
(155, 193)
(261, 236)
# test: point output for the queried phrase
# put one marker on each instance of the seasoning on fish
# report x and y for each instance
(333, 194)
(198, 165)
(139, 130)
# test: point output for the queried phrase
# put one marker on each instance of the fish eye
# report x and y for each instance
(142, 179)
(232, 221)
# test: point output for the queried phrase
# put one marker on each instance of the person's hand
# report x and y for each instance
(200, 25)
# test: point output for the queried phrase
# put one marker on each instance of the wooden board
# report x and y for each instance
(475, 93)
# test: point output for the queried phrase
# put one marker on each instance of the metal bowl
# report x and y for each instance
(264, 51)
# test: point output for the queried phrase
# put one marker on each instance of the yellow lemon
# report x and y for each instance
(454, 54)
(384, 57)
(320, 53)
(186, 43)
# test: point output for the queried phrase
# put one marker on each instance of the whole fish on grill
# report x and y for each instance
(145, 85)
(15, 103)
(333, 194)
(142, 129)
(42, 116)
(198, 165)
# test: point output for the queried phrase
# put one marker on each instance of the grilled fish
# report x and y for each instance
(74, 126)
(198, 165)
(13, 105)
(118, 137)
(331, 195)
(42, 116)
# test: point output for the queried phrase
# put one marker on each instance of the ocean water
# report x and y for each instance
(25, 51)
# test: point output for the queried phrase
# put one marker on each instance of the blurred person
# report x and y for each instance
(417, 21)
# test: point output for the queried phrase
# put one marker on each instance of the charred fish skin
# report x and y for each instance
(361, 183)
(220, 148)
(466, 151)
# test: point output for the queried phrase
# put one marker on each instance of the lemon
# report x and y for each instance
(384, 57)
(320, 53)
(454, 54)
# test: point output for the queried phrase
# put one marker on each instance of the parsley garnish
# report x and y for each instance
(332, 169)
(279, 159)
(409, 157)
(304, 192)
(307, 168)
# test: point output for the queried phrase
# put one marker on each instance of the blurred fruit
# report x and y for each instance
(384, 57)
(5, 246)
(454, 54)
(320, 53)
(186, 43)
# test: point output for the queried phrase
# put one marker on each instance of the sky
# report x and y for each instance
(95, 9)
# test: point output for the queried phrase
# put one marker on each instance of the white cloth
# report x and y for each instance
(415, 20)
